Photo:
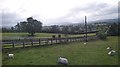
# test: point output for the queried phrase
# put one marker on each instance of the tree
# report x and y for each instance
(65, 30)
(102, 35)
(38, 25)
(31, 26)
(118, 28)
(5, 29)
(113, 30)
(55, 29)
(17, 27)
(72, 29)
(12, 29)
(23, 26)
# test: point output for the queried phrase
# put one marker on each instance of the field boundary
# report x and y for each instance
(23, 43)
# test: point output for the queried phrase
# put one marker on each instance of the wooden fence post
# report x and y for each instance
(51, 41)
(23, 44)
(67, 40)
(56, 40)
(39, 42)
(73, 39)
(31, 42)
(47, 41)
(59, 40)
(13, 45)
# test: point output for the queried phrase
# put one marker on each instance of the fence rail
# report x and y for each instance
(42, 41)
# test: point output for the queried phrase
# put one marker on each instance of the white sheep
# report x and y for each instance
(62, 60)
(109, 48)
(85, 43)
(11, 56)
(112, 52)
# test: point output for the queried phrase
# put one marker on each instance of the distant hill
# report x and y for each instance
(96, 21)
(106, 20)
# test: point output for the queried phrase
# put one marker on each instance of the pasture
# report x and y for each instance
(94, 53)
(37, 35)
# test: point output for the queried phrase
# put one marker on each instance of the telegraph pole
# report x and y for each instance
(85, 29)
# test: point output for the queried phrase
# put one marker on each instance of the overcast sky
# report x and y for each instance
(57, 11)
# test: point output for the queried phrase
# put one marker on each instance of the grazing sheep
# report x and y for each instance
(11, 56)
(62, 60)
(84, 43)
(109, 48)
(112, 53)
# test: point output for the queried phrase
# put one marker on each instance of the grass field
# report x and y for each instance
(94, 53)
(37, 35)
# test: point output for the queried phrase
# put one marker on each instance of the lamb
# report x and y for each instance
(62, 60)
(11, 56)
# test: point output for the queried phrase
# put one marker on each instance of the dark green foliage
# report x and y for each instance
(38, 26)
(23, 26)
(114, 29)
(5, 29)
(53, 36)
(65, 31)
(119, 29)
(31, 26)
(17, 27)
(59, 36)
(102, 35)
(102, 32)
(55, 29)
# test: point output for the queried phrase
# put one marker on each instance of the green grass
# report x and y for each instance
(37, 35)
(94, 53)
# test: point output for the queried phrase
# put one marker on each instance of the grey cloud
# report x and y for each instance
(96, 10)
(10, 19)
(108, 11)
(89, 7)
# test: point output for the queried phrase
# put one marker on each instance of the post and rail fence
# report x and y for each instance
(23, 43)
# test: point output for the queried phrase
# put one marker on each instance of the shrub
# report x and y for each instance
(53, 36)
(102, 35)
(59, 36)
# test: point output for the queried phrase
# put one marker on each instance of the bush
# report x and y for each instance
(114, 29)
(102, 35)
(53, 36)
(59, 36)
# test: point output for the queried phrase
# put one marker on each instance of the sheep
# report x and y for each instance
(11, 56)
(109, 49)
(85, 43)
(112, 52)
(62, 60)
